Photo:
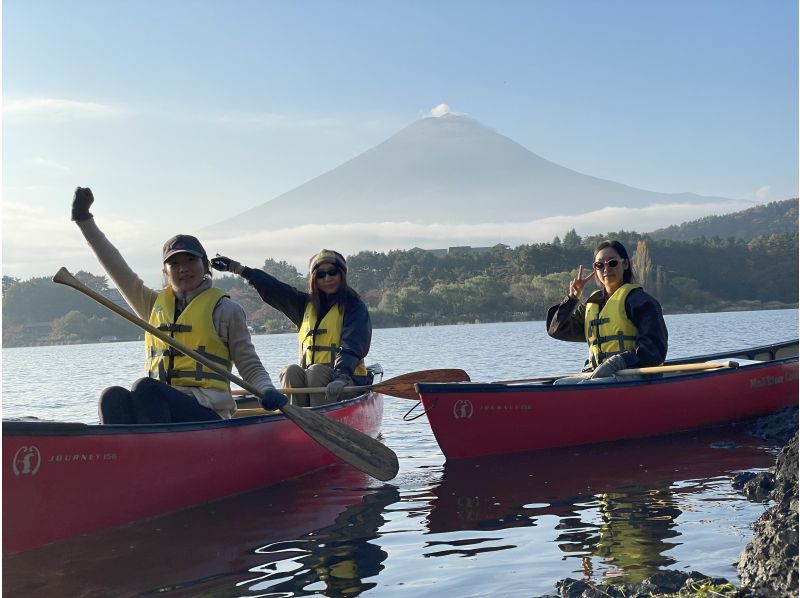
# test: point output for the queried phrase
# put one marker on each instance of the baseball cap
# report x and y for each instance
(183, 244)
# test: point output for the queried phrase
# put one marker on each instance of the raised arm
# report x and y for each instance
(136, 293)
(283, 297)
(565, 321)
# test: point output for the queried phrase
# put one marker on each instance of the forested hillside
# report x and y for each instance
(774, 217)
(419, 287)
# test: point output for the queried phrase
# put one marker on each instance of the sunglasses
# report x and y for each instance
(325, 273)
(610, 263)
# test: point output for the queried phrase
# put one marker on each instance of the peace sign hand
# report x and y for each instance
(577, 284)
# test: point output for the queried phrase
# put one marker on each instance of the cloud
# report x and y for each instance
(763, 193)
(444, 110)
(440, 110)
(292, 244)
(37, 244)
(58, 110)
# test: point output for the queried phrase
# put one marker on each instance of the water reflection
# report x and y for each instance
(633, 537)
(336, 560)
(306, 536)
(614, 507)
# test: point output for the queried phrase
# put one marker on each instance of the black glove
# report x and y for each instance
(335, 387)
(81, 202)
(226, 264)
(609, 366)
(273, 400)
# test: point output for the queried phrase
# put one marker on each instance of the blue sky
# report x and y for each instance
(182, 113)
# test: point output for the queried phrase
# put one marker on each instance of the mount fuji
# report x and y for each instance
(447, 170)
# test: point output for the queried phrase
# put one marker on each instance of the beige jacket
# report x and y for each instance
(229, 319)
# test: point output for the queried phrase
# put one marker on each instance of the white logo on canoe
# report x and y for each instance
(27, 461)
(462, 409)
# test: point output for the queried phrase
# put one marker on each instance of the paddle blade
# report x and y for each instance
(352, 446)
(403, 386)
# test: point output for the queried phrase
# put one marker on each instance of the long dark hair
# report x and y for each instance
(627, 275)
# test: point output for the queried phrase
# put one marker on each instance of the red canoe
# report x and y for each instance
(65, 479)
(480, 419)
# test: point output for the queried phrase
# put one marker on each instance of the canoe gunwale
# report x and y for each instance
(647, 380)
(621, 383)
(58, 428)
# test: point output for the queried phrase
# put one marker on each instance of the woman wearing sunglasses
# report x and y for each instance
(623, 325)
(334, 329)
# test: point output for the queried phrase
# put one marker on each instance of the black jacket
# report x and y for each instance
(565, 322)
(356, 328)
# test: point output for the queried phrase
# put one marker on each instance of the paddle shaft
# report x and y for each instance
(317, 389)
(656, 369)
(402, 386)
(349, 444)
(64, 277)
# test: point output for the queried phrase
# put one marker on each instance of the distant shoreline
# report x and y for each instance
(738, 307)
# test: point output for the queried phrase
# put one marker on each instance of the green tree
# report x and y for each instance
(572, 239)
(643, 265)
(284, 272)
(8, 282)
(72, 326)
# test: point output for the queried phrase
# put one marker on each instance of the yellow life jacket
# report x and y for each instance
(319, 343)
(195, 329)
(633, 533)
(608, 330)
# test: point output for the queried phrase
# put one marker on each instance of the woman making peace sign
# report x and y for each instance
(623, 325)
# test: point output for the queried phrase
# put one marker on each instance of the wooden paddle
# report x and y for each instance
(350, 445)
(400, 386)
(656, 369)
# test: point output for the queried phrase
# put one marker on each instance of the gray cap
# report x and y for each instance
(183, 244)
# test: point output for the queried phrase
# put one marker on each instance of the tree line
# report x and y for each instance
(418, 287)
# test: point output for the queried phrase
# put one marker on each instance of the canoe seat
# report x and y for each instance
(785, 352)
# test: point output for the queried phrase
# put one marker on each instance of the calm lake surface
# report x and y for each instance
(509, 526)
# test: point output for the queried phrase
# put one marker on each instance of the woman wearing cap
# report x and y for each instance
(623, 324)
(177, 388)
(334, 329)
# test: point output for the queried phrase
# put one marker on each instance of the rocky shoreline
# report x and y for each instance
(768, 566)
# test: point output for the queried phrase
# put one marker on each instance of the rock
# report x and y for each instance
(740, 479)
(759, 488)
(768, 565)
(778, 427)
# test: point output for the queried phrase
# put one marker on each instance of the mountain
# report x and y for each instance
(446, 170)
(774, 217)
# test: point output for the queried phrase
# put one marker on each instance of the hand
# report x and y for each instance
(608, 367)
(226, 264)
(335, 387)
(273, 400)
(577, 284)
(81, 202)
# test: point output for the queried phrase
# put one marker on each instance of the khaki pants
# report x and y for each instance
(294, 376)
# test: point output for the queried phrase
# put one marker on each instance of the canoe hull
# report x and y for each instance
(473, 420)
(63, 480)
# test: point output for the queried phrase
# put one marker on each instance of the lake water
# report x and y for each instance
(509, 526)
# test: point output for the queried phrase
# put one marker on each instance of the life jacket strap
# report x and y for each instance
(331, 349)
(198, 373)
(175, 327)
